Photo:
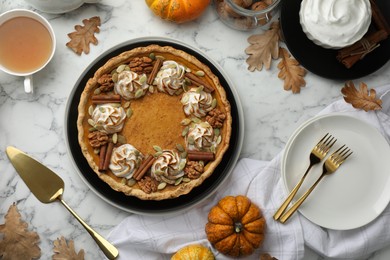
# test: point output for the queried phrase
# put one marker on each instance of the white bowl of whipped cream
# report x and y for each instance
(334, 24)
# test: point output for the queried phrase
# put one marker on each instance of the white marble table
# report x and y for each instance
(35, 123)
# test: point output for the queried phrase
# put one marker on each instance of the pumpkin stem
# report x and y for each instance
(238, 227)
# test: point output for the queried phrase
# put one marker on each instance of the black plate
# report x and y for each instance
(323, 61)
(133, 204)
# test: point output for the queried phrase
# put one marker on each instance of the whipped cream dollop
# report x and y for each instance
(108, 118)
(335, 23)
(200, 137)
(168, 167)
(130, 85)
(197, 102)
(125, 160)
(170, 77)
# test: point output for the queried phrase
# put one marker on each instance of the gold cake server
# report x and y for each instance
(48, 187)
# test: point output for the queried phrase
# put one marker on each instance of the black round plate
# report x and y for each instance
(323, 61)
(130, 203)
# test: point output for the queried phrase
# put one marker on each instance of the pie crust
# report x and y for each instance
(156, 121)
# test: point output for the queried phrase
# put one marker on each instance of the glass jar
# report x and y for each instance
(246, 14)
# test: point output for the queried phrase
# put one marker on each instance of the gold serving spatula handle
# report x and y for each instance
(108, 249)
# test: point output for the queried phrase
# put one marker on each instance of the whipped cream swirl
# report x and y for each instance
(200, 137)
(170, 77)
(130, 85)
(108, 118)
(335, 23)
(125, 160)
(168, 167)
(196, 102)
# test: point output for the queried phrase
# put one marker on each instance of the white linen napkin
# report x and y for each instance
(158, 237)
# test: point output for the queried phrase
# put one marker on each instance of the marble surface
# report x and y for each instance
(35, 123)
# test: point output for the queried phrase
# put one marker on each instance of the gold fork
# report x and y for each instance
(318, 153)
(330, 166)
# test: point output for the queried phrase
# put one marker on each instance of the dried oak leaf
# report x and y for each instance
(64, 250)
(361, 99)
(84, 35)
(17, 242)
(264, 47)
(291, 72)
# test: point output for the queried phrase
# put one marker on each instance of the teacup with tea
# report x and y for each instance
(27, 44)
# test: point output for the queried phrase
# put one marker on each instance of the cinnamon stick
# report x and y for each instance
(199, 82)
(107, 158)
(156, 67)
(378, 18)
(200, 156)
(101, 99)
(102, 156)
(145, 165)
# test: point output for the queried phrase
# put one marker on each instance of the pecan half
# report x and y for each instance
(106, 83)
(148, 185)
(215, 118)
(141, 65)
(97, 139)
(193, 169)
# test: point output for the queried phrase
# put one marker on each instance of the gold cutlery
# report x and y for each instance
(318, 153)
(48, 187)
(330, 166)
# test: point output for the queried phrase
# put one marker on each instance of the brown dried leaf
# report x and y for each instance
(361, 99)
(17, 242)
(84, 35)
(263, 48)
(63, 250)
(291, 72)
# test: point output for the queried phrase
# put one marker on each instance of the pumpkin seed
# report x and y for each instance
(162, 185)
(204, 124)
(151, 89)
(182, 165)
(121, 139)
(219, 139)
(92, 129)
(199, 89)
(178, 92)
(97, 91)
(185, 179)
(199, 73)
(185, 121)
(139, 93)
(186, 87)
(126, 104)
(217, 131)
(129, 112)
(96, 151)
(180, 148)
(131, 182)
(90, 110)
(185, 131)
(142, 79)
(196, 120)
(157, 154)
(183, 155)
(127, 68)
(116, 105)
(191, 140)
(120, 68)
(212, 149)
(157, 148)
(214, 103)
(185, 99)
(91, 122)
(178, 181)
(152, 55)
(160, 57)
(123, 181)
(201, 163)
(115, 138)
(188, 69)
(114, 77)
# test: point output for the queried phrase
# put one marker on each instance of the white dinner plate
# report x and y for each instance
(358, 191)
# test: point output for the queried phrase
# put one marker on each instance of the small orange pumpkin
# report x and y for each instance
(178, 11)
(193, 252)
(235, 226)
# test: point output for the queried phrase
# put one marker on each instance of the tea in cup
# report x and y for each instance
(27, 44)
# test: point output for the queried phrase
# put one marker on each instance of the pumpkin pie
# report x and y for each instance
(154, 122)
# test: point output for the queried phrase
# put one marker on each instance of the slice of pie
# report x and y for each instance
(154, 122)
